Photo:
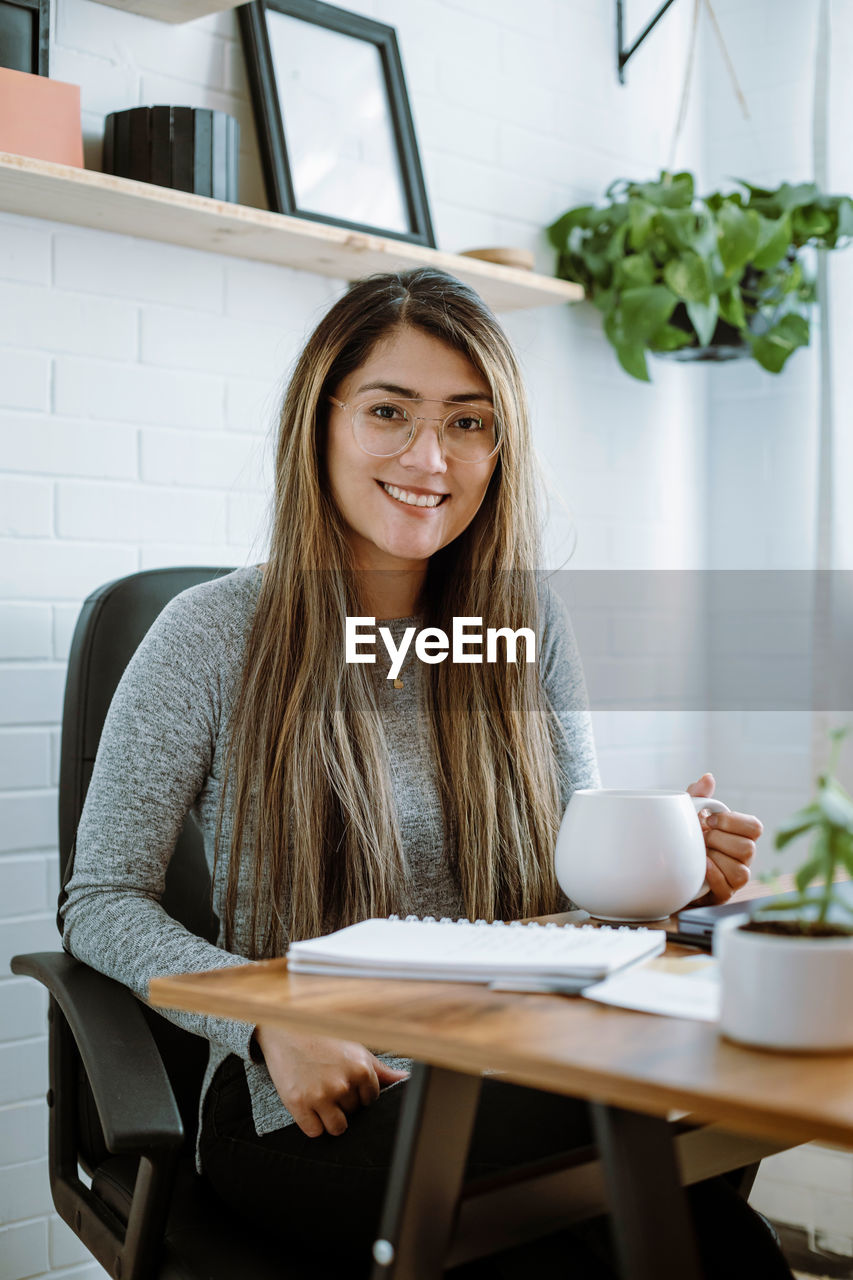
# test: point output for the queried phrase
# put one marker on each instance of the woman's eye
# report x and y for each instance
(468, 423)
(388, 412)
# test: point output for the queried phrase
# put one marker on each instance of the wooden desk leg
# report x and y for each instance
(652, 1230)
(427, 1168)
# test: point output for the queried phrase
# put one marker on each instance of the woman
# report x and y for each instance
(326, 793)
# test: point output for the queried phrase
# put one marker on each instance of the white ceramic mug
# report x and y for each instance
(633, 855)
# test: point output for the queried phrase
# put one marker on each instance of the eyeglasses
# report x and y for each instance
(385, 427)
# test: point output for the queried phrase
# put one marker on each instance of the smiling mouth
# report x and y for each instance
(410, 499)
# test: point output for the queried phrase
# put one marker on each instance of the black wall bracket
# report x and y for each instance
(623, 54)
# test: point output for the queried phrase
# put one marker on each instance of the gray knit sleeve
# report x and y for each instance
(154, 757)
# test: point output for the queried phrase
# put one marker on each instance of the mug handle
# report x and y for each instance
(716, 806)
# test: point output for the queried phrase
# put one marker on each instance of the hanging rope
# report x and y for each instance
(688, 74)
(729, 65)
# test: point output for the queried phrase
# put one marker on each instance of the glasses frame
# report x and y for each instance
(417, 419)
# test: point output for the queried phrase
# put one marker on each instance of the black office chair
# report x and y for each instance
(125, 1082)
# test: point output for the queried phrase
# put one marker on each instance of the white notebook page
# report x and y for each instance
(477, 951)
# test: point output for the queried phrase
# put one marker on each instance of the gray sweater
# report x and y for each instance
(161, 756)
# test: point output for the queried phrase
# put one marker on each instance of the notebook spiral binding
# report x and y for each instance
(518, 924)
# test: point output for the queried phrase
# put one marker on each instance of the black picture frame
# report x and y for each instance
(276, 151)
(25, 36)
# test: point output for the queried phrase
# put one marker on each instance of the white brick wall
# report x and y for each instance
(762, 441)
(139, 383)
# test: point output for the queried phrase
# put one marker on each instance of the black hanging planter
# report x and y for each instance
(727, 342)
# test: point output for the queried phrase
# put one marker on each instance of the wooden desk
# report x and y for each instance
(637, 1070)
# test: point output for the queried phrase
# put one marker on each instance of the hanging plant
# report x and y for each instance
(700, 278)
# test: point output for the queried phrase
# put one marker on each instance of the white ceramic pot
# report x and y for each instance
(632, 855)
(785, 993)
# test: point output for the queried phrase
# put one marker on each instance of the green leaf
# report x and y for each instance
(688, 278)
(558, 232)
(809, 871)
(800, 822)
(615, 250)
(731, 307)
(659, 249)
(644, 310)
(641, 217)
(632, 358)
(738, 231)
(847, 855)
(634, 269)
(672, 191)
(604, 299)
(773, 348)
(670, 338)
(683, 187)
(788, 196)
(703, 317)
(792, 280)
(629, 350)
(773, 241)
(608, 217)
(836, 808)
(845, 216)
(679, 227)
(704, 237)
(811, 223)
(592, 265)
(753, 191)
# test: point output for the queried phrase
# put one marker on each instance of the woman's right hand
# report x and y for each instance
(321, 1080)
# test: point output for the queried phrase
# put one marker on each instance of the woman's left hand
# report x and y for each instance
(730, 844)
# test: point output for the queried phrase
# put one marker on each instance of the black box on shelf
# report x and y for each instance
(187, 148)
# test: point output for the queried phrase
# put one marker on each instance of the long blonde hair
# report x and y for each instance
(307, 756)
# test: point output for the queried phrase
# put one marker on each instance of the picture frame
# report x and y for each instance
(25, 36)
(335, 129)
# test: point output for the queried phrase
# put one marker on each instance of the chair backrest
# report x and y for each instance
(112, 622)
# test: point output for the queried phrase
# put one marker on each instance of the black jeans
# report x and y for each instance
(327, 1192)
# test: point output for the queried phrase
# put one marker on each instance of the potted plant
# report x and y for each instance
(700, 279)
(787, 970)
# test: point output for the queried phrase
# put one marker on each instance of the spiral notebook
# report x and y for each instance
(466, 951)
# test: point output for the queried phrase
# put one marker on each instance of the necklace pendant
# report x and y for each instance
(398, 683)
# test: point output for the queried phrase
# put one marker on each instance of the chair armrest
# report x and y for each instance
(130, 1085)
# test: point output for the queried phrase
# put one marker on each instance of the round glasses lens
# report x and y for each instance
(382, 427)
(470, 434)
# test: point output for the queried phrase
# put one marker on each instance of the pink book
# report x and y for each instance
(40, 117)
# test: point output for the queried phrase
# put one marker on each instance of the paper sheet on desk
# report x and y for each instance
(679, 988)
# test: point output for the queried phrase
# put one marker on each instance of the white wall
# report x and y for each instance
(138, 383)
(761, 428)
(762, 439)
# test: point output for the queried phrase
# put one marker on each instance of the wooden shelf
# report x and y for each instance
(173, 10)
(86, 198)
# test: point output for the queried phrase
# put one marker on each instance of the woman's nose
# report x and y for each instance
(424, 453)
